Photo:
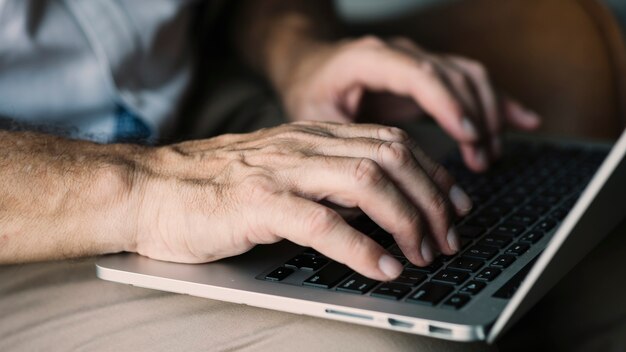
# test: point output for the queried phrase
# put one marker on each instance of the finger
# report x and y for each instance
(486, 93)
(356, 130)
(313, 225)
(519, 117)
(398, 162)
(459, 198)
(362, 183)
(360, 136)
(397, 72)
(476, 159)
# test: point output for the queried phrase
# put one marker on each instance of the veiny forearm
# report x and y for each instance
(63, 198)
(273, 35)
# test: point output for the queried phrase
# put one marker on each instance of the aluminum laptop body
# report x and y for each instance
(241, 279)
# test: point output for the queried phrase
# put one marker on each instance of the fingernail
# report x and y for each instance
(481, 158)
(427, 250)
(453, 240)
(389, 266)
(461, 201)
(469, 128)
(496, 146)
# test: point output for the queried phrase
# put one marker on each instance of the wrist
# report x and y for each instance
(118, 191)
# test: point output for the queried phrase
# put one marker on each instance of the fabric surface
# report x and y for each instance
(70, 63)
(64, 307)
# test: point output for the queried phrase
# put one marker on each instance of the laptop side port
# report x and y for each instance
(439, 330)
(349, 314)
(400, 323)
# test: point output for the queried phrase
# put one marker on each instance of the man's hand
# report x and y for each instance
(210, 199)
(394, 80)
(320, 78)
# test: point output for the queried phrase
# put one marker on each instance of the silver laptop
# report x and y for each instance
(537, 213)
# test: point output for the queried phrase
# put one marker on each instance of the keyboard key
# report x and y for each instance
(518, 249)
(357, 284)
(466, 264)
(509, 229)
(531, 237)
(430, 293)
(311, 251)
(457, 301)
(329, 276)
(411, 278)
(545, 225)
(431, 268)
(488, 274)
(279, 274)
(503, 261)
(496, 241)
(472, 287)
(391, 291)
(522, 218)
(307, 262)
(483, 220)
(465, 242)
(482, 252)
(470, 231)
(451, 277)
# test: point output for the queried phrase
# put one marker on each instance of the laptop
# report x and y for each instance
(537, 212)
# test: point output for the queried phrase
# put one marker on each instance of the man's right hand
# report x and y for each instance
(200, 201)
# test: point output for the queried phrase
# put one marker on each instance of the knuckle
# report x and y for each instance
(367, 172)
(438, 206)
(398, 134)
(322, 220)
(369, 42)
(440, 174)
(427, 68)
(259, 187)
(396, 154)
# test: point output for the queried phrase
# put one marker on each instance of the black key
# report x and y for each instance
(483, 220)
(431, 268)
(482, 252)
(507, 290)
(311, 251)
(470, 231)
(391, 291)
(503, 261)
(329, 276)
(466, 264)
(451, 277)
(403, 261)
(410, 277)
(472, 287)
(559, 213)
(522, 218)
(518, 249)
(430, 293)
(488, 274)
(532, 237)
(357, 284)
(509, 229)
(498, 210)
(496, 241)
(457, 301)
(395, 250)
(279, 274)
(307, 262)
(545, 225)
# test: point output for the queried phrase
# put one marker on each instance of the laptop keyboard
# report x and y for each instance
(519, 201)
